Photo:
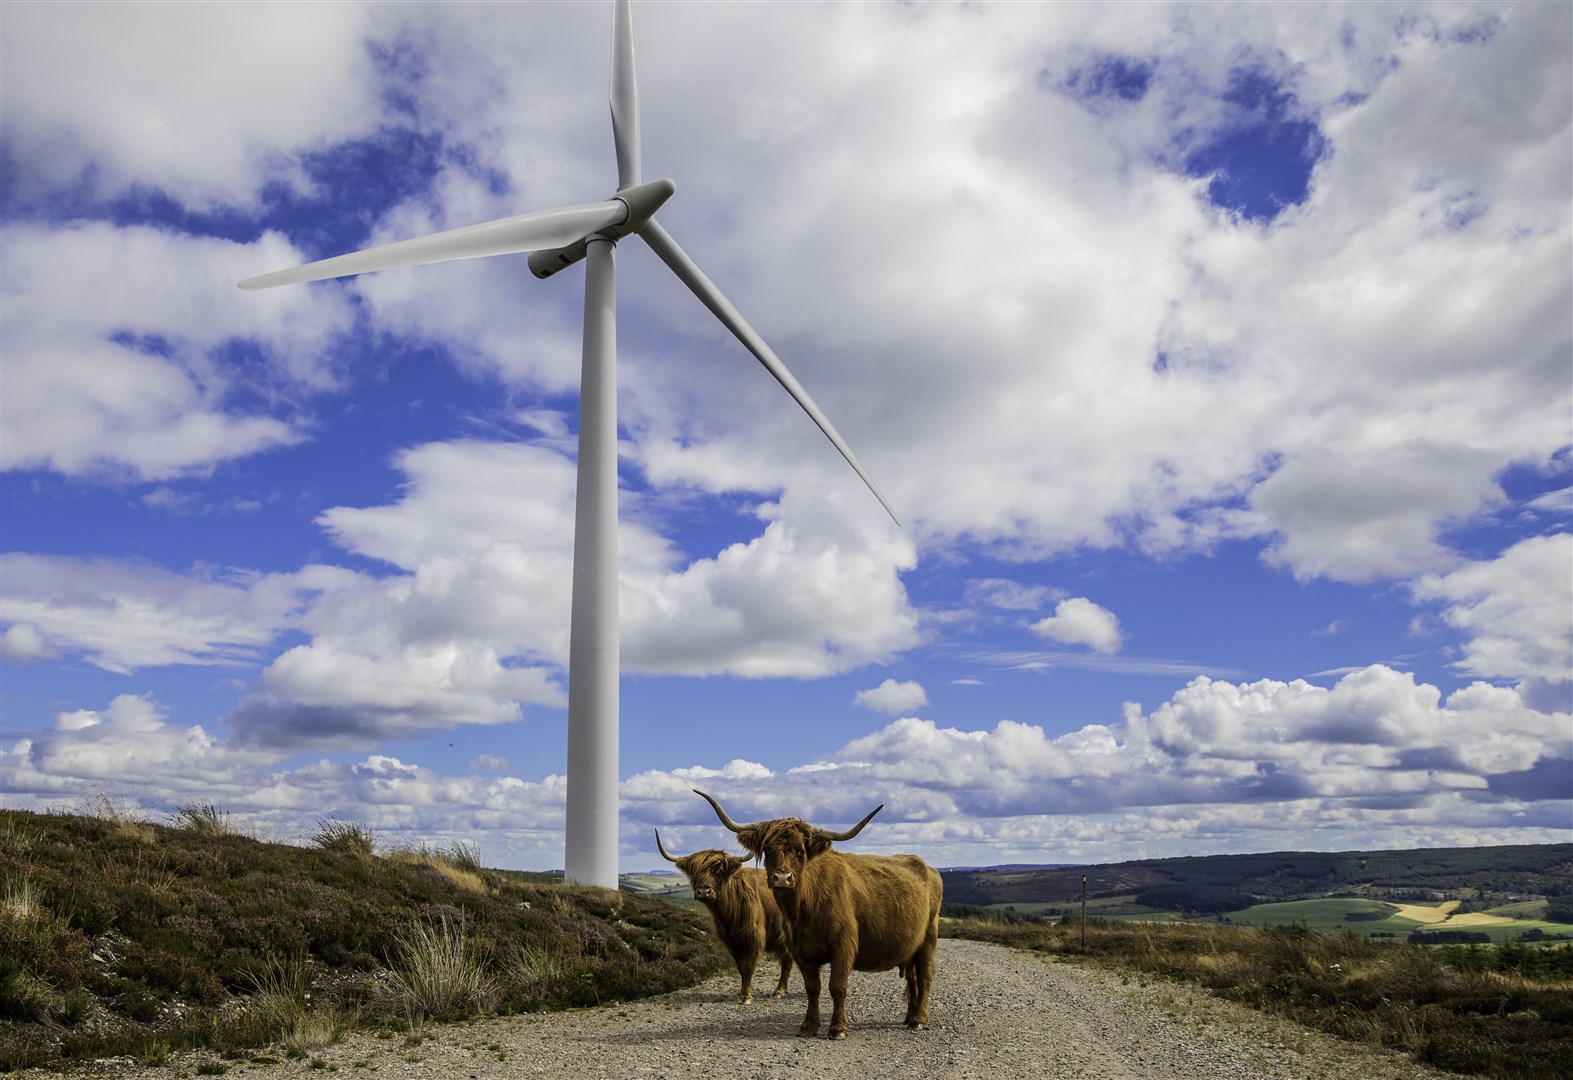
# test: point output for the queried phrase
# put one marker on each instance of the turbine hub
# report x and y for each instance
(641, 202)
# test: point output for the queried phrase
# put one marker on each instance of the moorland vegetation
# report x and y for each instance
(122, 937)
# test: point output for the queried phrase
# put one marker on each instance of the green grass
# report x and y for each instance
(1326, 914)
(121, 937)
(1498, 1011)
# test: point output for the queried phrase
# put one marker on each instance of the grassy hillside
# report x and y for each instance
(127, 938)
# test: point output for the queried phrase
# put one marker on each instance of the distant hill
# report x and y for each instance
(1208, 883)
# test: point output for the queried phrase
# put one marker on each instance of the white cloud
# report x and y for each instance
(1514, 610)
(1079, 621)
(124, 615)
(893, 697)
(103, 94)
(810, 596)
(1367, 758)
(116, 345)
(1377, 760)
(129, 741)
(131, 749)
(22, 642)
(360, 692)
(1010, 595)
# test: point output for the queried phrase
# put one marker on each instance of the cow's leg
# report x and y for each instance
(920, 978)
(811, 988)
(840, 973)
(786, 972)
(745, 971)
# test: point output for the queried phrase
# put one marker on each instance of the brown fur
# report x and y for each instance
(853, 912)
(743, 912)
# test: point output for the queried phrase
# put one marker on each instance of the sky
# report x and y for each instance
(1218, 360)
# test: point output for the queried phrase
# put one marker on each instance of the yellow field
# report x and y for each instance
(1443, 913)
(1423, 913)
(1478, 918)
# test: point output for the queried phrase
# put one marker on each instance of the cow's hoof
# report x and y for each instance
(913, 1025)
(807, 1032)
(837, 1036)
(779, 994)
(746, 1001)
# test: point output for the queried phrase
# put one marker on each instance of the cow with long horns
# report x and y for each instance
(853, 912)
(744, 913)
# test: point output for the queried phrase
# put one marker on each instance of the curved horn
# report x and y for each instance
(854, 830)
(720, 813)
(661, 849)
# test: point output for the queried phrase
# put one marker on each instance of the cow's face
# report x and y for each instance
(708, 872)
(787, 845)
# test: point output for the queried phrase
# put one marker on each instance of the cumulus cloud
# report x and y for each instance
(121, 350)
(1376, 760)
(893, 697)
(1079, 621)
(101, 94)
(130, 748)
(1513, 609)
(22, 642)
(130, 738)
(122, 616)
(1362, 759)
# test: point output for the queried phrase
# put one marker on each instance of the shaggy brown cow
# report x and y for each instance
(853, 912)
(742, 909)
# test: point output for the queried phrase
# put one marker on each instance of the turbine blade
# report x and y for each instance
(625, 96)
(523, 232)
(663, 245)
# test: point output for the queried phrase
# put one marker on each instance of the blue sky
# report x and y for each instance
(1217, 359)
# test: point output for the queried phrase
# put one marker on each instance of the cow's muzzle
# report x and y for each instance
(782, 879)
(704, 894)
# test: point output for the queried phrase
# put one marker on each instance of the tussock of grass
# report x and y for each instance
(438, 973)
(1501, 1011)
(140, 942)
(345, 837)
(204, 819)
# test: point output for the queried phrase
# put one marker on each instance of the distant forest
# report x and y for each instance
(1217, 883)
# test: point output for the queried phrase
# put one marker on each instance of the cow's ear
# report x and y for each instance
(728, 866)
(818, 844)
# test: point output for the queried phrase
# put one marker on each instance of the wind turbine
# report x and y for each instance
(556, 239)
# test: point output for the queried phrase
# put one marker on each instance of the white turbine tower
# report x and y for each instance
(558, 238)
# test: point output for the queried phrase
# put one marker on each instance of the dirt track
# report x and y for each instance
(997, 1014)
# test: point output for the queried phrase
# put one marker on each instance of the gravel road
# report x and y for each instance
(997, 1014)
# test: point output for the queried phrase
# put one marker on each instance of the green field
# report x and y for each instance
(1327, 914)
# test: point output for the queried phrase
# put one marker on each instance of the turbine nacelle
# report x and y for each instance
(641, 201)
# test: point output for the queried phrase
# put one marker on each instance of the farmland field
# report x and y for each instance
(1371, 916)
(1402, 918)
